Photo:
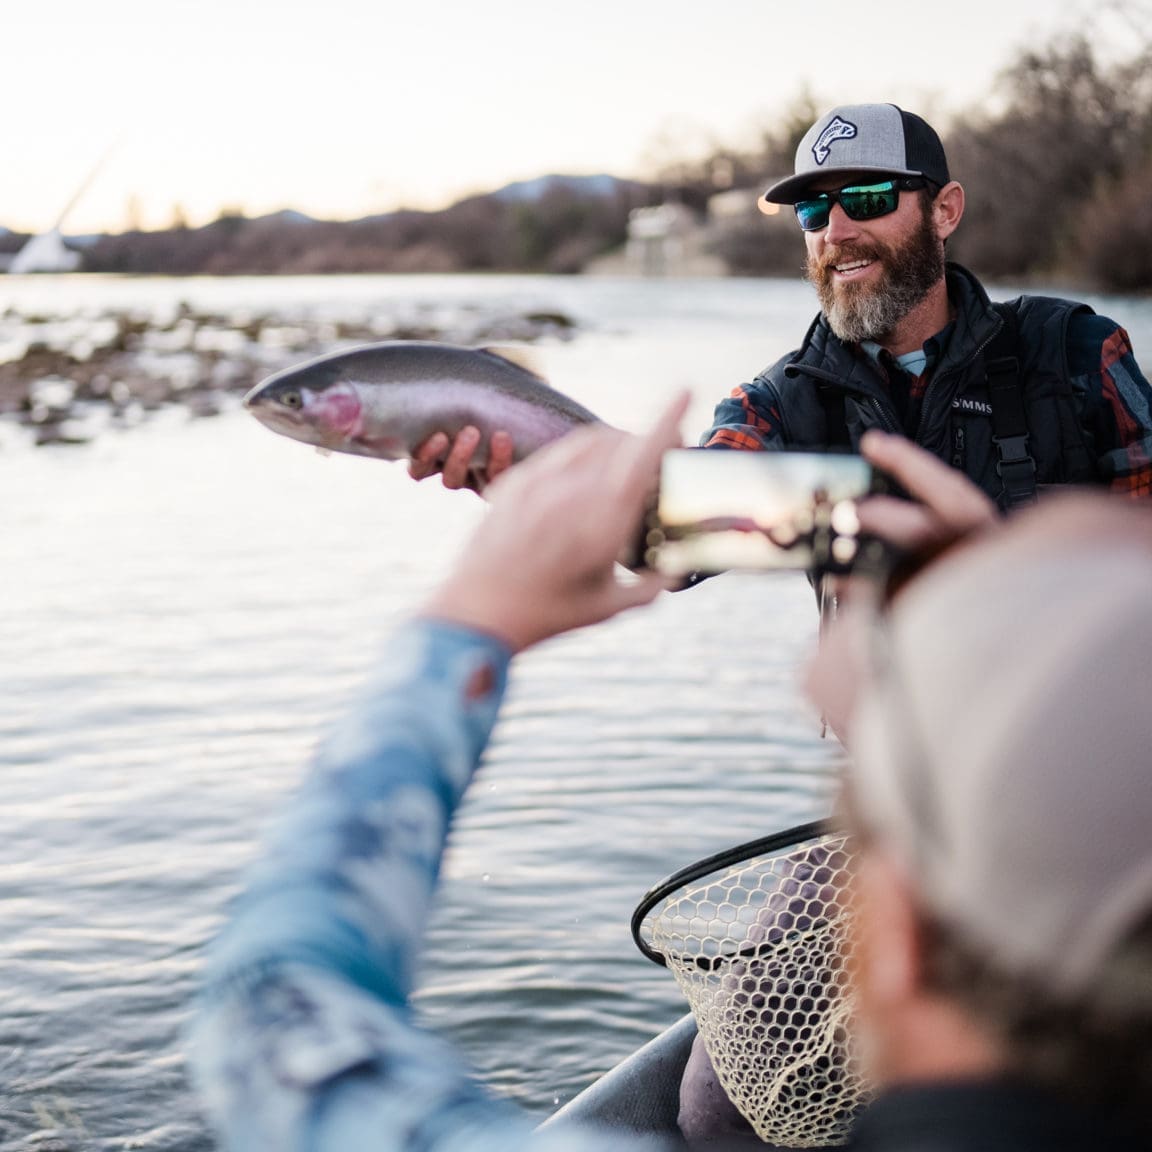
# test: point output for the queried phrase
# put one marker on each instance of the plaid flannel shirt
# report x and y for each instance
(304, 1037)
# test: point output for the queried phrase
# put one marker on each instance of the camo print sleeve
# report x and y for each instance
(1116, 401)
(303, 1037)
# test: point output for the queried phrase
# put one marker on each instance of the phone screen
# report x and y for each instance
(723, 510)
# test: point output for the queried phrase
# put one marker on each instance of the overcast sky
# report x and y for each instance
(344, 107)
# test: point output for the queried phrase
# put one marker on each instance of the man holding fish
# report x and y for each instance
(1017, 396)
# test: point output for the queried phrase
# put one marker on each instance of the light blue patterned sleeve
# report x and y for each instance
(303, 1038)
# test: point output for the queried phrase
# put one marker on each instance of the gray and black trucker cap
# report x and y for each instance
(864, 138)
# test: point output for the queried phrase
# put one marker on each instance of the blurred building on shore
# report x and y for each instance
(46, 252)
(730, 237)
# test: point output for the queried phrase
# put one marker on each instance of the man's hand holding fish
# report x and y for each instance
(452, 459)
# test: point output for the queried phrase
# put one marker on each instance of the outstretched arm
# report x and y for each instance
(304, 1038)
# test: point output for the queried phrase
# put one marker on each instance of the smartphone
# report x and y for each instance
(722, 510)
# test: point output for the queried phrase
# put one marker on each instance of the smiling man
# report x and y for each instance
(1033, 392)
(1018, 396)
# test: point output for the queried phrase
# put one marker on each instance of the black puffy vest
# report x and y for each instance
(830, 393)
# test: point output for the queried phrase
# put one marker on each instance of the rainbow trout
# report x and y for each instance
(384, 400)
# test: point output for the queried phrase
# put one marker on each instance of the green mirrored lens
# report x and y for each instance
(860, 202)
(866, 202)
(813, 214)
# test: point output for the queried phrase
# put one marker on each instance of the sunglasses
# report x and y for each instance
(860, 202)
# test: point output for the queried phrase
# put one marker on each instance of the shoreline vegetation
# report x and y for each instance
(1056, 167)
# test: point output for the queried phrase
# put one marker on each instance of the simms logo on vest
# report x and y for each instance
(967, 404)
(837, 130)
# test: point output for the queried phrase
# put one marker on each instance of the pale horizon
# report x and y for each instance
(346, 109)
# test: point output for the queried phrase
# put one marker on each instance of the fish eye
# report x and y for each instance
(292, 399)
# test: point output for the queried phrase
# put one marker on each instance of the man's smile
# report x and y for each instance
(851, 265)
(851, 269)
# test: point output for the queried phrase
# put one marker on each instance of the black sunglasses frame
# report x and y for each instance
(899, 184)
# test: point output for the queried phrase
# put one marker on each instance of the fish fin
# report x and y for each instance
(519, 355)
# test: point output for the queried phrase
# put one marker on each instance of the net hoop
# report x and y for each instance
(758, 938)
(762, 846)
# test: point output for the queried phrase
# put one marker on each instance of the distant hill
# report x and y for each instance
(597, 187)
(554, 223)
(601, 185)
(287, 216)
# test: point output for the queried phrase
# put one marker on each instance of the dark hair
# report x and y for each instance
(928, 196)
(1097, 1048)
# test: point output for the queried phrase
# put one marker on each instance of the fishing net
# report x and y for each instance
(758, 941)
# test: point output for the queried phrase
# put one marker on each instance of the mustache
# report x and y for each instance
(830, 257)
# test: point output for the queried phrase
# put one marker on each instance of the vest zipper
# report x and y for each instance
(885, 423)
(872, 401)
(953, 372)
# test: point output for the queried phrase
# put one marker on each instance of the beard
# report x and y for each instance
(864, 311)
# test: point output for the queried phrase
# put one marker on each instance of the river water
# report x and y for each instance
(188, 603)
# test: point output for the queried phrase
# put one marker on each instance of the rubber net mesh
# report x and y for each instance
(761, 952)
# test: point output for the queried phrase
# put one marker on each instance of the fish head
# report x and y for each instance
(314, 403)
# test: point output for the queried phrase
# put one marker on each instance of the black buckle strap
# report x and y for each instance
(1015, 466)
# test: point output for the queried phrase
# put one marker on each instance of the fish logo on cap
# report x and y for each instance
(837, 130)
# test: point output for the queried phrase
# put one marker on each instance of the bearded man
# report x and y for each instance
(1033, 392)
(1020, 395)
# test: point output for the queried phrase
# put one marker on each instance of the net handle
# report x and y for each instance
(789, 838)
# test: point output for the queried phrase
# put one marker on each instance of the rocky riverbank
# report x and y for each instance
(65, 378)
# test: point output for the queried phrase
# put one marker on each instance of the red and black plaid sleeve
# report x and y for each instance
(1117, 402)
(748, 419)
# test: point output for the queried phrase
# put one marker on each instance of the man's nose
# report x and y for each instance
(840, 226)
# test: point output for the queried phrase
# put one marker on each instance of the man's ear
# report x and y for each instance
(889, 966)
(947, 209)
